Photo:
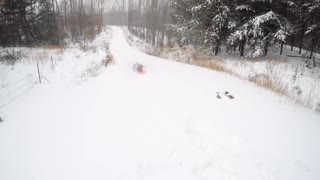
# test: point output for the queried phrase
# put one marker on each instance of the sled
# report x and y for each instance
(139, 68)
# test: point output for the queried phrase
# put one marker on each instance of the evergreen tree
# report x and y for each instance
(184, 24)
(313, 25)
(259, 33)
(27, 22)
(16, 19)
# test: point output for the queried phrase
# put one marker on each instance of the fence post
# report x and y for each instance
(39, 72)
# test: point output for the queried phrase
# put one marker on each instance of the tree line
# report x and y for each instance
(49, 22)
(145, 18)
(247, 25)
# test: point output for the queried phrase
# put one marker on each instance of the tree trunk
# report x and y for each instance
(301, 40)
(169, 44)
(81, 16)
(285, 15)
(216, 51)
(266, 49)
(312, 47)
(292, 42)
(71, 22)
(162, 38)
(30, 30)
(242, 45)
(281, 48)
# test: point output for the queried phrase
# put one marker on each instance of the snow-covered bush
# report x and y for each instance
(10, 56)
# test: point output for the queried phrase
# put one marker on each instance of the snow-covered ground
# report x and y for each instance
(302, 83)
(165, 124)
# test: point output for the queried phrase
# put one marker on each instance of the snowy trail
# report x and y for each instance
(166, 124)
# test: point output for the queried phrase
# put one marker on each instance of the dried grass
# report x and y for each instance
(273, 84)
(87, 47)
(60, 49)
(40, 56)
(212, 64)
(109, 60)
(269, 80)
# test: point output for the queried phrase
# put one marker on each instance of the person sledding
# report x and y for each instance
(139, 68)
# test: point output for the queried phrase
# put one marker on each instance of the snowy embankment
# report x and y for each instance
(290, 72)
(56, 64)
(165, 124)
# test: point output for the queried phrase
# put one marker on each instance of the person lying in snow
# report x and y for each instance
(139, 68)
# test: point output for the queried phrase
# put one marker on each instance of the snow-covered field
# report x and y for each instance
(165, 124)
(301, 83)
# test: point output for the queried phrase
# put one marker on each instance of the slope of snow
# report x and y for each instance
(291, 69)
(166, 124)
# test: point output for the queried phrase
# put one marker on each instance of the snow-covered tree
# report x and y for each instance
(217, 24)
(313, 25)
(184, 25)
(203, 22)
(259, 33)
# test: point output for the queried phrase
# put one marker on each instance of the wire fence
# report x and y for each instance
(16, 82)
(3, 96)
(13, 91)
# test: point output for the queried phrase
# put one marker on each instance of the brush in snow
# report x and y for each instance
(139, 68)
(318, 108)
(230, 97)
(218, 95)
(227, 93)
(1, 120)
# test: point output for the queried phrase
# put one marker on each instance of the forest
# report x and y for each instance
(237, 25)
(256, 24)
(41, 22)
